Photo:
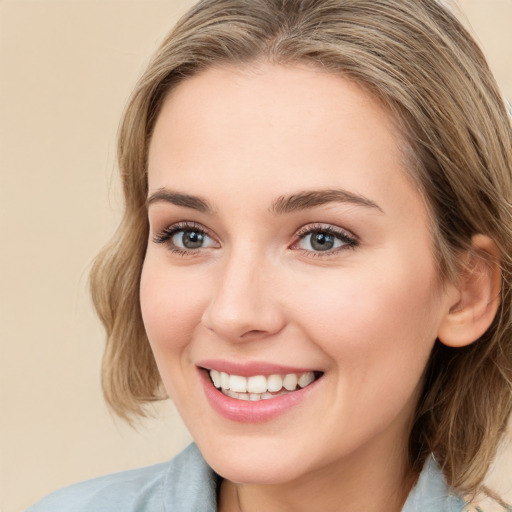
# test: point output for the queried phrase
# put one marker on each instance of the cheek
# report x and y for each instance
(369, 319)
(377, 332)
(171, 309)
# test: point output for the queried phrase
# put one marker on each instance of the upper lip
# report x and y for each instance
(248, 369)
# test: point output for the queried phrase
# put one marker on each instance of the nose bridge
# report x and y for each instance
(243, 304)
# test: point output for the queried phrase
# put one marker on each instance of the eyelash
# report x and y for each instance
(349, 240)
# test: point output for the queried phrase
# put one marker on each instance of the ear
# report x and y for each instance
(474, 304)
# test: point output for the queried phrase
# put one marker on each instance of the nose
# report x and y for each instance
(244, 303)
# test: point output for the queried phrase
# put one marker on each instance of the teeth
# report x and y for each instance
(257, 384)
(253, 397)
(289, 382)
(224, 380)
(259, 387)
(306, 378)
(274, 383)
(238, 384)
(215, 375)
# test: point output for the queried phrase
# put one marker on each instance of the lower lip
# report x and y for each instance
(246, 411)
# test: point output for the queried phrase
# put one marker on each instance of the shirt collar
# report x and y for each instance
(431, 492)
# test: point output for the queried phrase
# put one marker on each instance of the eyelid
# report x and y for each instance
(320, 226)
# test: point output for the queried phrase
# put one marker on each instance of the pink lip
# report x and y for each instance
(251, 368)
(245, 411)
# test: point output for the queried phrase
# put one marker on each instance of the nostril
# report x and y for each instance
(254, 332)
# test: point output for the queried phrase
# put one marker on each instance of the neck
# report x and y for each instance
(359, 483)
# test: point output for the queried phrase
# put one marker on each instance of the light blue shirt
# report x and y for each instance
(187, 484)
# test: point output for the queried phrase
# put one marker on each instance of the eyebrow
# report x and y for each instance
(179, 199)
(283, 204)
(312, 198)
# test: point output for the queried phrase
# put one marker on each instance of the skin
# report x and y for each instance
(365, 314)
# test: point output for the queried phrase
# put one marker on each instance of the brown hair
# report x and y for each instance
(417, 58)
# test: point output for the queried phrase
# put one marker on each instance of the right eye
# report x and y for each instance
(185, 238)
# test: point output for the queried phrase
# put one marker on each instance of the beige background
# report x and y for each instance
(66, 69)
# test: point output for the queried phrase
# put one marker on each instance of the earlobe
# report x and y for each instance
(476, 295)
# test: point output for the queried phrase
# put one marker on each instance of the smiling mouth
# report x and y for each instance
(261, 387)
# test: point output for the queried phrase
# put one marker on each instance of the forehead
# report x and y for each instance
(269, 93)
(289, 126)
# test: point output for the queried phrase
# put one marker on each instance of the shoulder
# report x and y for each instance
(185, 482)
(110, 492)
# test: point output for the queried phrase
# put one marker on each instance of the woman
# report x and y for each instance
(314, 261)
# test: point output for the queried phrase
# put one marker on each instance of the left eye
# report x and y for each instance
(323, 240)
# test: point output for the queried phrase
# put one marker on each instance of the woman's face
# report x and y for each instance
(287, 243)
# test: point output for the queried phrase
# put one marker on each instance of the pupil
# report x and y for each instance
(322, 241)
(192, 239)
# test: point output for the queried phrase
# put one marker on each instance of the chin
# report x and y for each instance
(255, 472)
(246, 462)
